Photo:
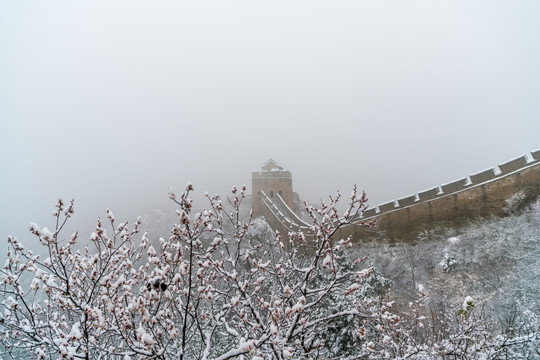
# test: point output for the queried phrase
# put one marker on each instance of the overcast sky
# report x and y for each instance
(113, 102)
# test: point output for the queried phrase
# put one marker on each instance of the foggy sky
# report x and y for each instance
(112, 103)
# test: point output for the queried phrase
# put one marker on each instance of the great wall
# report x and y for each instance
(497, 191)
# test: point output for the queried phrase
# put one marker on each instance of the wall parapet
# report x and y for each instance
(482, 176)
(513, 165)
(456, 186)
(407, 201)
(271, 174)
(280, 216)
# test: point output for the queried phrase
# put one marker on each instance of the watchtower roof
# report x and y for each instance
(271, 165)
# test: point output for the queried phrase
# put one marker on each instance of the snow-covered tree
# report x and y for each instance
(214, 289)
(465, 332)
(221, 286)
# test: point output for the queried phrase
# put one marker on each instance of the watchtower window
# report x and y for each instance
(271, 193)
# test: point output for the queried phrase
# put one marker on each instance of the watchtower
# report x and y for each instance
(273, 180)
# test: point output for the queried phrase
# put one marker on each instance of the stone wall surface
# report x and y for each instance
(370, 212)
(428, 194)
(272, 183)
(386, 207)
(482, 176)
(406, 201)
(454, 186)
(513, 165)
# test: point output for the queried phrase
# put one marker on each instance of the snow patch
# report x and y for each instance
(513, 201)
(453, 239)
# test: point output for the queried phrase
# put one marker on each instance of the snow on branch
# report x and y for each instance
(218, 286)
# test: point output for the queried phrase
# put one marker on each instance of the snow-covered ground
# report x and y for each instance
(496, 261)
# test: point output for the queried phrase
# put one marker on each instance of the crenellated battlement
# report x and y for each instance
(456, 186)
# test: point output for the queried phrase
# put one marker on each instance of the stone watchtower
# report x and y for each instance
(273, 180)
